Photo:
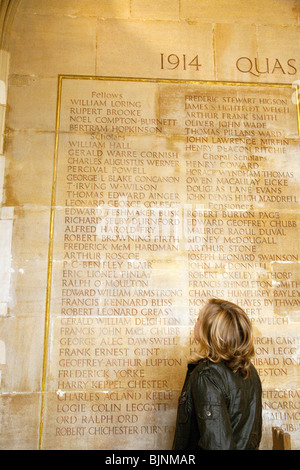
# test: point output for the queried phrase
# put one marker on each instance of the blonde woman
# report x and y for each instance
(220, 405)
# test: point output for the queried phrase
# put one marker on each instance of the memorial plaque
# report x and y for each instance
(165, 194)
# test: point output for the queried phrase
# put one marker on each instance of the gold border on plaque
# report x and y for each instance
(54, 183)
(50, 263)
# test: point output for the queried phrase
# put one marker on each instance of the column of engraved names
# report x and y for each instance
(110, 315)
(87, 350)
(147, 190)
(227, 172)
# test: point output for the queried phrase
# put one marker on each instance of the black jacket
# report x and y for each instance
(218, 409)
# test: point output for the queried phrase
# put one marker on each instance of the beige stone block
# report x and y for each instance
(279, 58)
(94, 8)
(7, 213)
(5, 265)
(29, 162)
(20, 419)
(2, 169)
(117, 56)
(29, 261)
(2, 352)
(23, 354)
(231, 43)
(31, 103)
(235, 11)
(45, 45)
(2, 127)
(159, 10)
(3, 309)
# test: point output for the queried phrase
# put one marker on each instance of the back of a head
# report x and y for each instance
(225, 334)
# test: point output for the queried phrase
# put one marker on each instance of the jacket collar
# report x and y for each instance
(192, 365)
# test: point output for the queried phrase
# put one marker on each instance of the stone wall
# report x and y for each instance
(95, 337)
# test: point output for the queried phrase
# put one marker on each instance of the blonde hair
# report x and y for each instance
(225, 334)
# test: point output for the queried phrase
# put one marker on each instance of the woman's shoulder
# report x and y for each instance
(223, 377)
(206, 367)
(211, 377)
(216, 372)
